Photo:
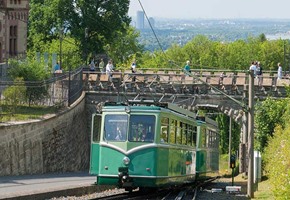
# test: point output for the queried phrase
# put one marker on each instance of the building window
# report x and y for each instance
(15, 47)
(13, 40)
(10, 31)
(15, 31)
(10, 46)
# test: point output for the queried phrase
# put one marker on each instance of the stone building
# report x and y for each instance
(13, 28)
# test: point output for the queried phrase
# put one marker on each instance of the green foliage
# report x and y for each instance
(93, 26)
(71, 57)
(262, 37)
(268, 114)
(124, 48)
(23, 112)
(223, 122)
(15, 94)
(237, 55)
(275, 119)
(30, 71)
(277, 157)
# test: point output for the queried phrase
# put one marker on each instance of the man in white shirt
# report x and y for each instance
(254, 68)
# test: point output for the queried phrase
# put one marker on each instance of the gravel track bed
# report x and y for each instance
(207, 194)
(93, 195)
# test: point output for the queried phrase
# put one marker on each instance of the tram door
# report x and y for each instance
(95, 143)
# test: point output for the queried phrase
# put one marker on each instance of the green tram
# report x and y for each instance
(152, 145)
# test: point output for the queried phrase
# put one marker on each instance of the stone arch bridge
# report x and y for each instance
(225, 92)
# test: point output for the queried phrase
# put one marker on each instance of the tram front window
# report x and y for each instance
(142, 128)
(115, 127)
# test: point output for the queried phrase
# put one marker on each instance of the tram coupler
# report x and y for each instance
(124, 179)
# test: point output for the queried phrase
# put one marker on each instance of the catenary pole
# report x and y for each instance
(250, 189)
(250, 110)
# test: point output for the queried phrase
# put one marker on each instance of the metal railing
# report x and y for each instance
(60, 90)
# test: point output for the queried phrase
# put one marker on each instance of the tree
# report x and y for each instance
(124, 48)
(262, 37)
(29, 71)
(267, 117)
(277, 151)
(101, 20)
(204, 53)
(223, 122)
(71, 57)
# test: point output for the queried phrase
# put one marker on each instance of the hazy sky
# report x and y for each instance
(193, 9)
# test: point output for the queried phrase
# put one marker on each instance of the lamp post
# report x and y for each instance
(86, 50)
(60, 46)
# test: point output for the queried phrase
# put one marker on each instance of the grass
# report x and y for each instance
(263, 191)
(20, 113)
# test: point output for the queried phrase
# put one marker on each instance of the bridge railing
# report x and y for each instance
(175, 81)
(61, 90)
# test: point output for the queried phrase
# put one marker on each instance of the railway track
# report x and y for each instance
(196, 191)
(186, 192)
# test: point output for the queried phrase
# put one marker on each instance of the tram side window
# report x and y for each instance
(209, 139)
(172, 136)
(178, 133)
(115, 127)
(183, 133)
(189, 134)
(96, 127)
(194, 135)
(142, 128)
(164, 130)
(212, 139)
(216, 140)
(203, 135)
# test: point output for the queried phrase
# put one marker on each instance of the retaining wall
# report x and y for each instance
(57, 144)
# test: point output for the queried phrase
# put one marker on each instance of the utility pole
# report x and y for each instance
(284, 50)
(250, 110)
(230, 141)
(244, 136)
(250, 189)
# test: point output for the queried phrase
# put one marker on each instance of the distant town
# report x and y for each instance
(178, 31)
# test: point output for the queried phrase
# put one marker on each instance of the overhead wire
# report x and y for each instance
(155, 35)
(151, 27)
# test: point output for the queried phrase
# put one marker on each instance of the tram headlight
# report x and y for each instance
(127, 109)
(126, 160)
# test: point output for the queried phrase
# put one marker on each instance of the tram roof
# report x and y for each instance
(153, 105)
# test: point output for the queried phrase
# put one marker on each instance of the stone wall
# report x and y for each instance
(57, 144)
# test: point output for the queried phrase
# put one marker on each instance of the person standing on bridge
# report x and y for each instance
(187, 66)
(57, 68)
(279, 71)
(109, 69)
(101, 65)
(133, 69)
(92, 65)
(254, 68)
(259, 72)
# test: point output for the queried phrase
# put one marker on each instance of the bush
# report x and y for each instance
(15, 94)
(277, 158)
